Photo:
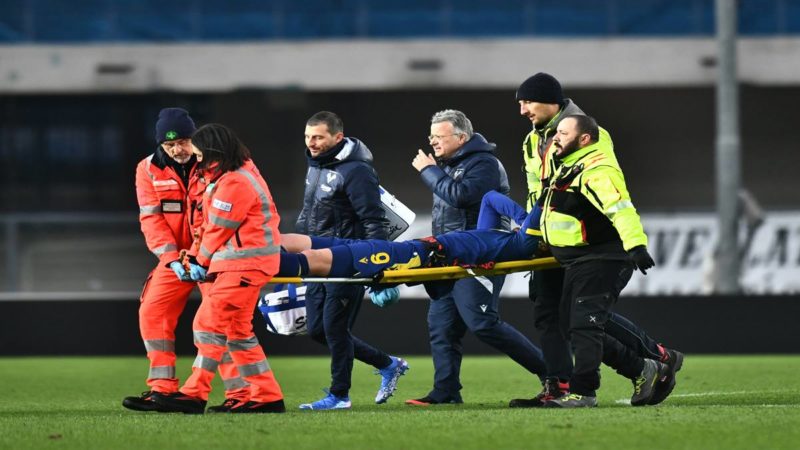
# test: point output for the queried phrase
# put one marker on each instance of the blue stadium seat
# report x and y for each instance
(57, 21)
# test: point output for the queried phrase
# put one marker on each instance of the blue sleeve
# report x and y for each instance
(361, 187)
(532, 221)
(494, 206)
(480, 177)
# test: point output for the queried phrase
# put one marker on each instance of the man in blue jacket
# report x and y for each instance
(342, 200)
(462, 169)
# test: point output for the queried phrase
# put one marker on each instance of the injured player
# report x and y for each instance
(482, 247)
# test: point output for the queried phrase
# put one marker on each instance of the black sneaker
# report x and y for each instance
(179, 402)
(572, 401)
(226, 406)
(428, 401)
(142, 403)
(552, 388)
(644, 385)
(260, 407)
(674, 361)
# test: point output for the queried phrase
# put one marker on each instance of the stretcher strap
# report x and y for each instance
(432, 273)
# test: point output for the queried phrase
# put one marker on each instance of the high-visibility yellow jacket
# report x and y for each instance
(537, 152)
(587, 211)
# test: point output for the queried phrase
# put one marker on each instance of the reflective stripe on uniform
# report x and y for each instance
(204, 251)
(158, 251)
(225, 223)
(161, 372)
(561, 225)
(617, 207)
(207, 337)
(265, 206)
(235, 383)
(231, 254)
(226, 358)
(159, 345)
(243, 344)
(206, 363)
(149, 210)
(248, 370)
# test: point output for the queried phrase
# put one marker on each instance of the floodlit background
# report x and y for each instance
(81, 84)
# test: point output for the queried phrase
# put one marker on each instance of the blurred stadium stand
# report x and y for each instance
(53, 21)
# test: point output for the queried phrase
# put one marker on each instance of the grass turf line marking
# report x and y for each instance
(627, 401)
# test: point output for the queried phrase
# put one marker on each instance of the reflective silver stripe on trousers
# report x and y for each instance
(207, 337)
(225, 223)
(226, 358)
(149, 210)
(617, 207)
(248, 370)
(206, 363)
(235, 383)
(243, 344)
(161, 372)
(159, 345)
(158, 251)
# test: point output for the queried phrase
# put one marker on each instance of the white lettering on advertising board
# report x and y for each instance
(682, 245)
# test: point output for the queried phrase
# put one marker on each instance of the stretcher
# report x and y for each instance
(431, 273)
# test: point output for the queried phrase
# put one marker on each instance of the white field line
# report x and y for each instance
(627, 401)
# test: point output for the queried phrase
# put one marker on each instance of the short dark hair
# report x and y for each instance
(586, 125)
(334, 123)
(220, 144)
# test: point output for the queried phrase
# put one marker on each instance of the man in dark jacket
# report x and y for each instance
(463, 170)
(342, 200)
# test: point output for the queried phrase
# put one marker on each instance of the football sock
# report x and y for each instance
(293, 265)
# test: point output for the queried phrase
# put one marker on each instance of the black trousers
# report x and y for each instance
(331, 310)
(546, 288)
(590, 290)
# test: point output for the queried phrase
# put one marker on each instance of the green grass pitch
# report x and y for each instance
(725, 402)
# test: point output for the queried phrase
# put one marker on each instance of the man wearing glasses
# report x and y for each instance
(460, 171)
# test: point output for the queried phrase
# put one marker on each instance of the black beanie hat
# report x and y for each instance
(542, 88)
(173, 123)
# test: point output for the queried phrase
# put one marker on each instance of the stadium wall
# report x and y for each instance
(664, 138)
(734, 325)
(355, 64)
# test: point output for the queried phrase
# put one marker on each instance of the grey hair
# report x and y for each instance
(459, 120)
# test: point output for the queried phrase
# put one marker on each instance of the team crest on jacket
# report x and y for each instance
(458, 173)
(331, 176)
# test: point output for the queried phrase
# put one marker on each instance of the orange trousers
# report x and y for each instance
(225, 318)
(162, 302)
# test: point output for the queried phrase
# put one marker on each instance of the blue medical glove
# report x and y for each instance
(196, 271)
(180, 271)
(384, 297)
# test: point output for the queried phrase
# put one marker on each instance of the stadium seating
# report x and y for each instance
(54, 21)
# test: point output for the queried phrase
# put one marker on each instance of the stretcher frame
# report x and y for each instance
(431, 273)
